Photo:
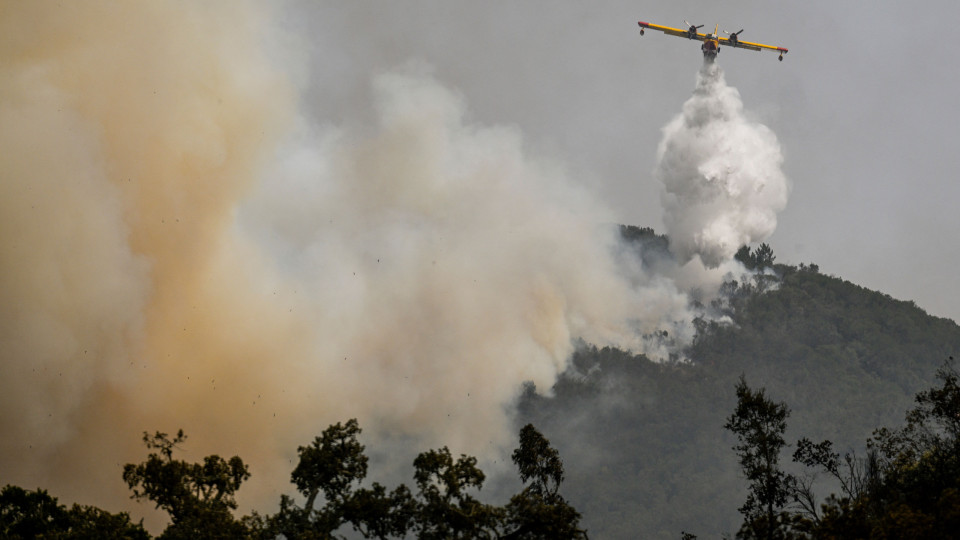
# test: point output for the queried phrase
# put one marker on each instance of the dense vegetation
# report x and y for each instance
(199, 498)
(644, 442)
(907, 485)
(650, 448)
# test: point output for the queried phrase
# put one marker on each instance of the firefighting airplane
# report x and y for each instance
(711, 42)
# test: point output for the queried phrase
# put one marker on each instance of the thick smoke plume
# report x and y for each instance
(721, 174)
(183, 247)
(180, 247)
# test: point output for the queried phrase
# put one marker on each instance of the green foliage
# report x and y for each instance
(331, 464)
(29, 514)
(933, 426)
(759, 425)
(539, 512)
(374, 513)
(759, 259)
(198, 496)
(917, 493)
(538, 462)
(36, 514)
(908, 486)
(533, 517)
(763, 256)
(645, 237)
(643, 443)
(290, 521)
(445, 507)
(92, 522)
(646, 244)
(335, 464)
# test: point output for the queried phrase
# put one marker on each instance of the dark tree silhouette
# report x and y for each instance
(759, 424)
(198, 496)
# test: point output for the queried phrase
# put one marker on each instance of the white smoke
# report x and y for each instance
(441, 265)
(721, 174)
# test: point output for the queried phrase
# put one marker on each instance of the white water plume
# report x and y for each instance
(722, 181)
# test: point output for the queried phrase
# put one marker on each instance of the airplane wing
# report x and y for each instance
(750, 45)
(671, 31)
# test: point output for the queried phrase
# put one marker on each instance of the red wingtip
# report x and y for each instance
(641, 23)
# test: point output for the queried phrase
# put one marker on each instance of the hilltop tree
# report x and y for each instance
(763, 256)
(760, 258)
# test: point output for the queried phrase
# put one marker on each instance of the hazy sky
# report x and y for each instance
(864, 107)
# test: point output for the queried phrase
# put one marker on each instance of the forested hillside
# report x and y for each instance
(644, 443)
(646, 446)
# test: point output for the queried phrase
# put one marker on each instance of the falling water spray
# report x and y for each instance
(722, 181)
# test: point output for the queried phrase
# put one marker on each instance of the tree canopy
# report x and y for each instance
(906, 486)
(200, 497)
(759, 425)
(36, 514)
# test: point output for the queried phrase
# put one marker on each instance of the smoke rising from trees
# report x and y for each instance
(181, 248)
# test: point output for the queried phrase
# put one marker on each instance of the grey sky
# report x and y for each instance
(864, 106)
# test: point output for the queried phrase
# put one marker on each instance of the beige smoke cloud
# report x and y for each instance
(127, 133)
(181, 249)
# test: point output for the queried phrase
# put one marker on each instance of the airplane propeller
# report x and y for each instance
(694, 26)
(734, 36)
